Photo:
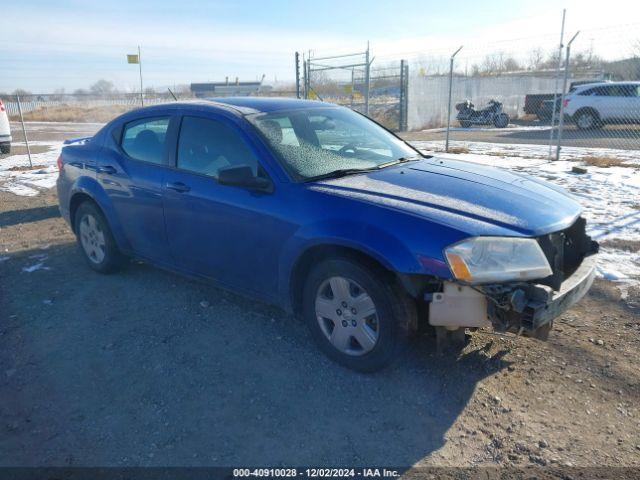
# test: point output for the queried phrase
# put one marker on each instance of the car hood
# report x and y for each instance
(470, 197)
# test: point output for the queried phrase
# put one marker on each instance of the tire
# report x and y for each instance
(501, 120)
(586, 120)
(368, 341)
(95, 239)
(543, 116)
(5, 148)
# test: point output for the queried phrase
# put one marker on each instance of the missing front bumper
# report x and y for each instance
(522, 308)
(530, 309)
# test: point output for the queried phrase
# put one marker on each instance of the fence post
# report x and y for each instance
(555, 88)
(446, 143)
(298, 88)
(564, 88)
(24, 130)
(367, 80)
(401, 106)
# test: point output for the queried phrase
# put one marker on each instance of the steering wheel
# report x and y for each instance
(349, 150)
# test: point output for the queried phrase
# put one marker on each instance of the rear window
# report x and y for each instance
(145, 139)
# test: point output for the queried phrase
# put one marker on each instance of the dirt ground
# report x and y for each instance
(145, 368)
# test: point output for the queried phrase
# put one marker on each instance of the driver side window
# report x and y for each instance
(206, 146)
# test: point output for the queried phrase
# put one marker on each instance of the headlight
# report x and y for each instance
(497, 259)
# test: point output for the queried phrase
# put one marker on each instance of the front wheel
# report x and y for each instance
(95, 239)
(501, 120)
(355, 315)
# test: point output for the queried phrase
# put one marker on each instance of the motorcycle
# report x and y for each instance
(492, 114)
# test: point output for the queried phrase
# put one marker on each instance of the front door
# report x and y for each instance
(224, 232)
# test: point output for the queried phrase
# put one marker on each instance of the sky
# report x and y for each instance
(70, 44)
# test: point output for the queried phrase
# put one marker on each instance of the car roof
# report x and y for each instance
(237, 105)
(603, 83)
(269, 104)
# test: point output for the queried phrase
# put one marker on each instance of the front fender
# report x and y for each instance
(372, 241)
(91, 187)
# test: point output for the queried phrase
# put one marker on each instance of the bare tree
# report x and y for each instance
(102, 87)
(21, 92)
(511, 65)
(536, 59)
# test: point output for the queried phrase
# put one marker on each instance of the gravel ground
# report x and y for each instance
(146, 368)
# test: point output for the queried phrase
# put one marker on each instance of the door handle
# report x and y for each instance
(108, 169)
(178, 187)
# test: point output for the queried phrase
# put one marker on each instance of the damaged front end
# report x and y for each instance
(522, 307)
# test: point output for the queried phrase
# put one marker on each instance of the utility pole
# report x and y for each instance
(297, 75)
(140, 66)
(446, 144)
(564, 88)
(555, 89)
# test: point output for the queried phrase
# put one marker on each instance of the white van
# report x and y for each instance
(5, 130)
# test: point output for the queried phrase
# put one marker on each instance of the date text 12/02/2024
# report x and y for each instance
(316, 472)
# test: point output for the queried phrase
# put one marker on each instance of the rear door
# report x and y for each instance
(131, 170)
(228, 233)
(609, 101)
(631, 93)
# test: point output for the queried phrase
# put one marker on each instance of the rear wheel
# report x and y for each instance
(355, 315)
(95, 239)
(5, 148)
(587, 120)
(501, 120)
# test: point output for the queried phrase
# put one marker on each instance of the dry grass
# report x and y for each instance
(458, 150)
(68, 113)
(604, 162)
(26, 168)
(621, 244)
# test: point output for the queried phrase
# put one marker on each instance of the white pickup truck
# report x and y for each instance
(595, 104)
(5, 130)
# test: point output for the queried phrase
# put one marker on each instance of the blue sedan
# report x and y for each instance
(318, 209)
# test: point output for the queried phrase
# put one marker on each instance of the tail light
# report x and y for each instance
(1, 106)
(59, 163)
(566, 102)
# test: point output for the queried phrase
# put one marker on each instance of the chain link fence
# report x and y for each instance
(509, 94)
(532, 97)
(351, 80)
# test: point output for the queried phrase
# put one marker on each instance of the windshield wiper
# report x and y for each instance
(341, 172)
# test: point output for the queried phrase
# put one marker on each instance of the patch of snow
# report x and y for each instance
(531, 151)
(35, 267)
(28, 183)
(510, 128)
(610, 198)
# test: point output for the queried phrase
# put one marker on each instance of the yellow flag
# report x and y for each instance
(133, 59)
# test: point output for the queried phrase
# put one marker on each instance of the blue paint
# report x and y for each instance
(403, 216)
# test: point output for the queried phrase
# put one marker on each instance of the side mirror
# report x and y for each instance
(242, 176)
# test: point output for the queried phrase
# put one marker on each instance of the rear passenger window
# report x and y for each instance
(145, 139)
(207, 146)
